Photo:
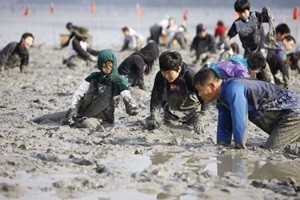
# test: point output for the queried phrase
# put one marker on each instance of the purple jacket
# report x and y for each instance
(230, 69)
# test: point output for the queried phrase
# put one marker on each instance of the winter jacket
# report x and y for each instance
(134, 65)
(262, 102)
(12, 56)
(204, 45)
(232, 68)
(181, 95)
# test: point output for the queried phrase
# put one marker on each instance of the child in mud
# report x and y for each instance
(249, 27)
(273, 109)
(173, 91)
(16, 53)
(94, 98)
(138, 63)
(239, 67)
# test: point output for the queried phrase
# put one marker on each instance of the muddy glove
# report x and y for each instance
(73, 114)
(130, 106)
(199, 128)
(92, 59)
(152, 123)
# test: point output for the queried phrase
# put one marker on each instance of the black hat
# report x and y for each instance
(69, 25)
(200, 28)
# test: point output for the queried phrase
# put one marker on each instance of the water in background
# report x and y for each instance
(106, 24)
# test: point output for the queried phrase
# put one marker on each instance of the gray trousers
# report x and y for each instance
(286, 132)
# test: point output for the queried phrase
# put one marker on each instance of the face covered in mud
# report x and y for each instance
(107, 67)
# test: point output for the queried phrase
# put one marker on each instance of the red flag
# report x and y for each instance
(185, 15)
(138, 10)
(295, 14)
(26, 10)
(52, 8)
(93, 8)
(236, 15)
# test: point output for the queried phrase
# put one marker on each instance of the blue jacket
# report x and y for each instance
(262, 102)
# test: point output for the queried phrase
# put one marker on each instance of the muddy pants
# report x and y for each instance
(286, 132)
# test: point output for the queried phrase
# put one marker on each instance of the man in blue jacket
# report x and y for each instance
(273, 109)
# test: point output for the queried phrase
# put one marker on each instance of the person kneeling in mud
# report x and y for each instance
(173, 91)
(270, 107)
(93, 101)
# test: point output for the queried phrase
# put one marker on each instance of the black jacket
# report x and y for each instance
(204, 45)
(12, 56)
(187, 99)
(134, 65)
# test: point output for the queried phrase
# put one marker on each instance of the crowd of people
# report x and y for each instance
(251, 86)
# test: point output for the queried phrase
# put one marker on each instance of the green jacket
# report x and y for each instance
(121, 83)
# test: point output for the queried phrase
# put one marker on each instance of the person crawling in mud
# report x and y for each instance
(139, 63)
(16, 53)
(94, 98)
(272, 108)
(173, 91)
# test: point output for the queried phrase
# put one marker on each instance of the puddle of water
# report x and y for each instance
(243, 168)
(159, 158)
(131, 164)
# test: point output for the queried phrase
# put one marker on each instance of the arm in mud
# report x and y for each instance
(125, 44)
(77, 47)
(238, 105)
(193, 49)
(139, 66)
(24, 62)
(6, 52)
(276, 62)
(157, 96)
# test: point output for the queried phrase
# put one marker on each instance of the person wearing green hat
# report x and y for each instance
(94, 98)
(80, 50)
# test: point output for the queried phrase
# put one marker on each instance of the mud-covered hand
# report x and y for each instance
(199, 128)
(151, 123)
(73, 113)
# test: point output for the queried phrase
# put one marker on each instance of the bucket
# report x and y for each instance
(63, 38)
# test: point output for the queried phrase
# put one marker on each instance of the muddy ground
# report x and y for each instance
(123, 160)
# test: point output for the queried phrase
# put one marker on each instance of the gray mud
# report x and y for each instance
(47, 161)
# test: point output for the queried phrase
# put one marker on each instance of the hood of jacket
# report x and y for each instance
(150, 52)
(104, 56)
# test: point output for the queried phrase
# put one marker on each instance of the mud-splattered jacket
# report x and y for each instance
(181, 95)
(262, 102)
(250, 31)
(12, 56)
